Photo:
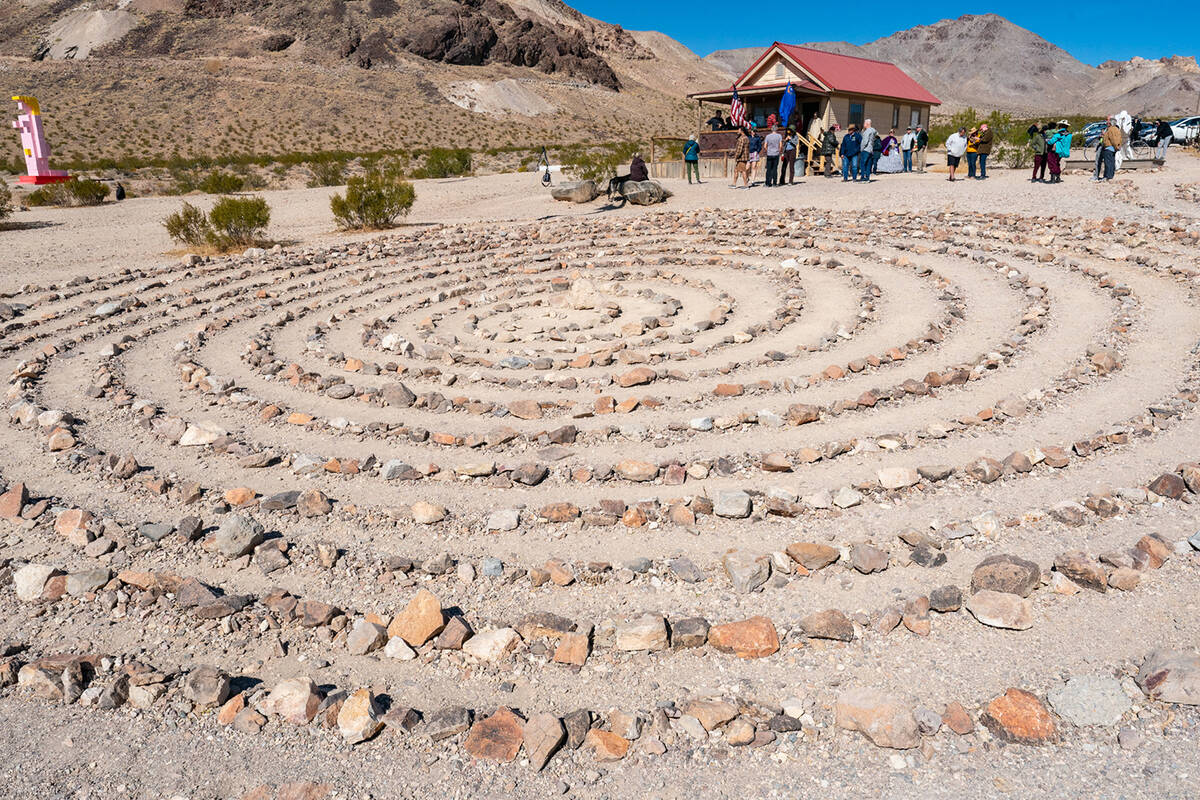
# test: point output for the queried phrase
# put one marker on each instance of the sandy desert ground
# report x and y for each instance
(828, 490)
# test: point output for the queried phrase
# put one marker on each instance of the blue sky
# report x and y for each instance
(1090, 31)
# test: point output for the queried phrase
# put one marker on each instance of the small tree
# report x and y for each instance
(6, 207)
(218, 182)
(189, 225)
(373, 201)
(442, 162)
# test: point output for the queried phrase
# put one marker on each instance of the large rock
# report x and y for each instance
(576, 192)
(1172, 676)
(811, 555)
(644, 193)
(207, 686)
(544, 734)
(358, 719)
(643, 632)
(1090, 700)
(492, 645)
(1006, 573)
(30, 579)
(295, 700)
(420, 620)
(497, 738)
(747, 571)
(733, 504)
(884, 720)
(1001, 609)
(1019, 716)
(238, 535)
(829, 624)
(750, 638)
(1083, 569)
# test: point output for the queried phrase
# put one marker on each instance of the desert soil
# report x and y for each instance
(916, 374)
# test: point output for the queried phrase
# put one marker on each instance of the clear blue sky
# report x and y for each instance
(1090, 31)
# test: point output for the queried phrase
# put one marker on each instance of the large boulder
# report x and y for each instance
(644, 193)
(577, 192)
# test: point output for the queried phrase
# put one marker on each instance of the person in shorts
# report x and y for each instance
(956, 147)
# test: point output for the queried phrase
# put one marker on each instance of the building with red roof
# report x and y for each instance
(832, 91)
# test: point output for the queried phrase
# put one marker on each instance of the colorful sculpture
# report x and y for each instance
(33, 142)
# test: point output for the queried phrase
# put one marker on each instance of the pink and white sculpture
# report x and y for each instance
(33, 142)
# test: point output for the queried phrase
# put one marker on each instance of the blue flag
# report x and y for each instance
(787, 105)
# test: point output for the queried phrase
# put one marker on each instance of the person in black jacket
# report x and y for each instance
(829, 146)
(1164, 133)
(922, 147)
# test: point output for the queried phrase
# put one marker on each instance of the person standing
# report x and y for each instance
(741, 159)
(972, 153)
(691, 158)
(956, 147)
(1164, 132)
(1037, 143)
(829, 147)
(773, 147)
(983, 146)
(756, 143)
(922, 148)
(849, 150)
(1060, 149)
(716, 122)
(1110, 143)
(791, 148)
(866, 157)
(907, 145)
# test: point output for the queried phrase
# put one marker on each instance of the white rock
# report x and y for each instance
(492, 645)
(398, 649)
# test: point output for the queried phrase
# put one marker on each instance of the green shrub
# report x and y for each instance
(189, 225)
(233, 222)
(598, 164)
(75, 192)
(239, 221)
(373, 201)
(6, 207)
(218, 182)
(327, 172)
(443, 162)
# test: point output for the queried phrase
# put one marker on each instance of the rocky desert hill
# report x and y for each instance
(986, 62)
(158, 78)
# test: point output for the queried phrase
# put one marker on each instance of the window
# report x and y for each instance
(779, 70)
(856, 114)
(915, 118)
(895, 116)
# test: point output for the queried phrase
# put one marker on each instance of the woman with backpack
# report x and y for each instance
(1060, 150)
(1037, 143)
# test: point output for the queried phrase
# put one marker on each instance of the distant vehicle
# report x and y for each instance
(1146, 134)
(1186, 129)
(1094, 129)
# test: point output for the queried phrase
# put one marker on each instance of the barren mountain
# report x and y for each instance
(158, 78)
(986, 62)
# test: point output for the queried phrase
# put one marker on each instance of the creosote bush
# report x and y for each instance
(218, 182)
(75, 192)
(373, 201)
(443, 162)
(5, 201)
(233, 222)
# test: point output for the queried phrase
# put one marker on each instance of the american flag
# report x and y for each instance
(737, 110)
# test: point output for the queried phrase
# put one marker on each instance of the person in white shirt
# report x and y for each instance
(773, 145)
(908, 143)
(956, 146)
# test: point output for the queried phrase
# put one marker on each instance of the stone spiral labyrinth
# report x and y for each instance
(614, 491)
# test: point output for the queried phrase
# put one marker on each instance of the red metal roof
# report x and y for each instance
(853, 75)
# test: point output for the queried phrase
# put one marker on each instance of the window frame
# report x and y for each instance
(862, 113)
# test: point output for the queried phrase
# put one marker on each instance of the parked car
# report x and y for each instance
(1186, 129)
(1146, 134)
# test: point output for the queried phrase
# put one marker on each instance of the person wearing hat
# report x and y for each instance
(908, 143)
(956, 147)
(983, 146)
(691, 158)
(922, 148)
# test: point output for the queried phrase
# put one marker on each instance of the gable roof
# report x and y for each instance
(851, 74)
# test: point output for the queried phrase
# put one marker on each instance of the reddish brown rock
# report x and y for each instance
(420, 620)
(956, 718)
(1083, 569)
(605, 745)
(811, 555)
(1019, 716)
(750, 638)
(497, 738)
(1169, 485)
(638, 376)
(559, 512)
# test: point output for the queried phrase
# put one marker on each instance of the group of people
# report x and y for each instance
(777, 151)
(864, 153)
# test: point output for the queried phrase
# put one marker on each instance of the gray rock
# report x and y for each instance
(732, 504)
(238, 535)
(492, 567)
(747, 571)
(1172, 676)
(156, 531)
(644, 193)
(1001, 609)
(80, 583)
(575, 192)
(447, 722)
(394, 469)
(207, 686)
(685, 570)
(1194, 540)
(506, 519)
(1090, 700)
(1006, 573)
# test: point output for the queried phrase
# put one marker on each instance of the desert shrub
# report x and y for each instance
(6, 207)
(442, 162)
(598, 164)
(373, 201)
(1015, 156)
(218, 182)
(326, 172)
(233, 222)
(75, 192)
(239, 221)
(189, 226)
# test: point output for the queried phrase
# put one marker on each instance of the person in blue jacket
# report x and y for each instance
(691, 158)
(849, 150)
(1059, 143)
